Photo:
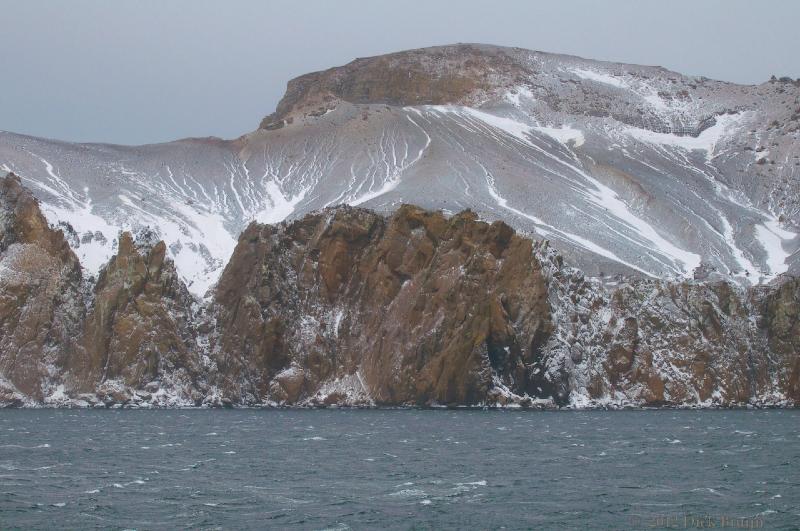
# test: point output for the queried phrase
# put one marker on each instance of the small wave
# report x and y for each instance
(408, 493)
(675, 441)
(230, 452)
(118, 486)
(93, 491)
(209, 504)
(425, 502)
(317, 438)
(481, 483)
(339, 527)
(709, 490)
(45, 445)
(60, 504)
(461, 488)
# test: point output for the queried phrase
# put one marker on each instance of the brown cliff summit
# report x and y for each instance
(439, 75)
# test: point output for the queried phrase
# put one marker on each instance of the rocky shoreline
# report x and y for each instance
(346, 307)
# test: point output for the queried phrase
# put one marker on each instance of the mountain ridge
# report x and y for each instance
(548, 128)
(413, 59)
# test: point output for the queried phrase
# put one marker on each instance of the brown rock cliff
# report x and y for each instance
(39, 289)
(423, 309)
(137, 329)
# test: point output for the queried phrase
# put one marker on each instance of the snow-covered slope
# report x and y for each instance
(625, 168)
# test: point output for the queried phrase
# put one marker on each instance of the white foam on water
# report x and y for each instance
(408, 493)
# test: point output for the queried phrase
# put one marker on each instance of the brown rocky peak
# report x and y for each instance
(21, 221)
(24, 221)
(138, 324)
(454, 74)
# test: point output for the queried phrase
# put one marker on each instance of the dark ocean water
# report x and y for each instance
(401, 469)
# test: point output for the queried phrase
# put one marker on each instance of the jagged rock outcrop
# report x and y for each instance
(137, 331)
(412, 309)
(39, 296)
(62, 337)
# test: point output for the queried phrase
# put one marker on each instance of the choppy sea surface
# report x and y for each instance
(398, 469)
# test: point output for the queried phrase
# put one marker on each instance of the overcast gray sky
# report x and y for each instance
(149, 71)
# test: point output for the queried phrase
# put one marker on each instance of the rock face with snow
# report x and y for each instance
(673, 202)
(39, 296)
(413, 309)
(60, 335)
(138, 326)
(781, 310)
(641, 341)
